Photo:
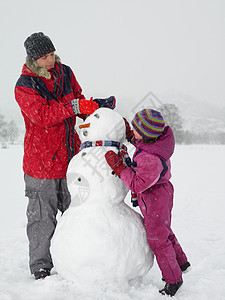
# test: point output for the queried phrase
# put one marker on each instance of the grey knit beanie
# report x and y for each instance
(37, 45)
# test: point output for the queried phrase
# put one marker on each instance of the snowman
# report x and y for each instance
(100, 239)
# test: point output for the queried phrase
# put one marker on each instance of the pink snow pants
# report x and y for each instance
(158, 203)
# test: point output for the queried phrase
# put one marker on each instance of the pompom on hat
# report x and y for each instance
(37, 45)
(149, 123)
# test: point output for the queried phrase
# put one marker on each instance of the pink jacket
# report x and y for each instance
(151, 166)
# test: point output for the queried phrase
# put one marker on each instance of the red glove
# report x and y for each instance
(83, 106)
(123, 153)
(115, 162)
(129, 131)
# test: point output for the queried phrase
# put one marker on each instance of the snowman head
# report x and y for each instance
(89, 176)
(103, 124)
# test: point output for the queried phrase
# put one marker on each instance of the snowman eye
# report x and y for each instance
(97, 116)
(79, 179)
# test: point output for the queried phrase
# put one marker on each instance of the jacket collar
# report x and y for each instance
(42, 72)
(163, 148)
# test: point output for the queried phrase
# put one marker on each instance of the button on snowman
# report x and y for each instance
(100, 239)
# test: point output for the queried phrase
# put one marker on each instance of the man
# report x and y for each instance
(50, 98)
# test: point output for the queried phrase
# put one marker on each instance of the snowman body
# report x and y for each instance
(100, 239)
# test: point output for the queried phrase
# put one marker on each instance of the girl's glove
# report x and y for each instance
(124, 154)
(129, 131)
(83, 106)
(115, 162)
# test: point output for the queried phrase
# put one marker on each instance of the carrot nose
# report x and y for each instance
(84, 125)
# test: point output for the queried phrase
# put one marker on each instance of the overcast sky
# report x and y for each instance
(124, 48)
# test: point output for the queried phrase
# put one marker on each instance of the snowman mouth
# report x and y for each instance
(84, 125)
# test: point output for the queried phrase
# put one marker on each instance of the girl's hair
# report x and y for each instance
(150, 141)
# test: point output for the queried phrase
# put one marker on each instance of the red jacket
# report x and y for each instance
(50, 139)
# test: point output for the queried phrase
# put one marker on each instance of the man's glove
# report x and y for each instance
(115, 162)
(83, 106)
(129, 131)
(109, 102)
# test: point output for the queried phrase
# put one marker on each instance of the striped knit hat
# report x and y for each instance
(148, 123)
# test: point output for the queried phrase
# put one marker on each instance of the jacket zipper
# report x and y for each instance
(144, 204)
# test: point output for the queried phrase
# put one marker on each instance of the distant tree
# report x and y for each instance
(172, 116)
(3, 131)
(3, 136)
(221, 138)
(2, 120)
(12, 131)
(187, 137)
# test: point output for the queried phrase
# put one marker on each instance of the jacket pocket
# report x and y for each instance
(34, 207)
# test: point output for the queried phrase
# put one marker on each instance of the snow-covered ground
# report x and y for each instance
(198, 221)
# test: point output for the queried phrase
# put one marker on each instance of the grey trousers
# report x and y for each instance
(46, 197)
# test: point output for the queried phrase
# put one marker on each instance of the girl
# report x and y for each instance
(149, 177)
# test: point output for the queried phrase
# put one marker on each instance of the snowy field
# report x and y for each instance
(198, 221)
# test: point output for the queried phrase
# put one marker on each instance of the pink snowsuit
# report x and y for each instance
(149, 179)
